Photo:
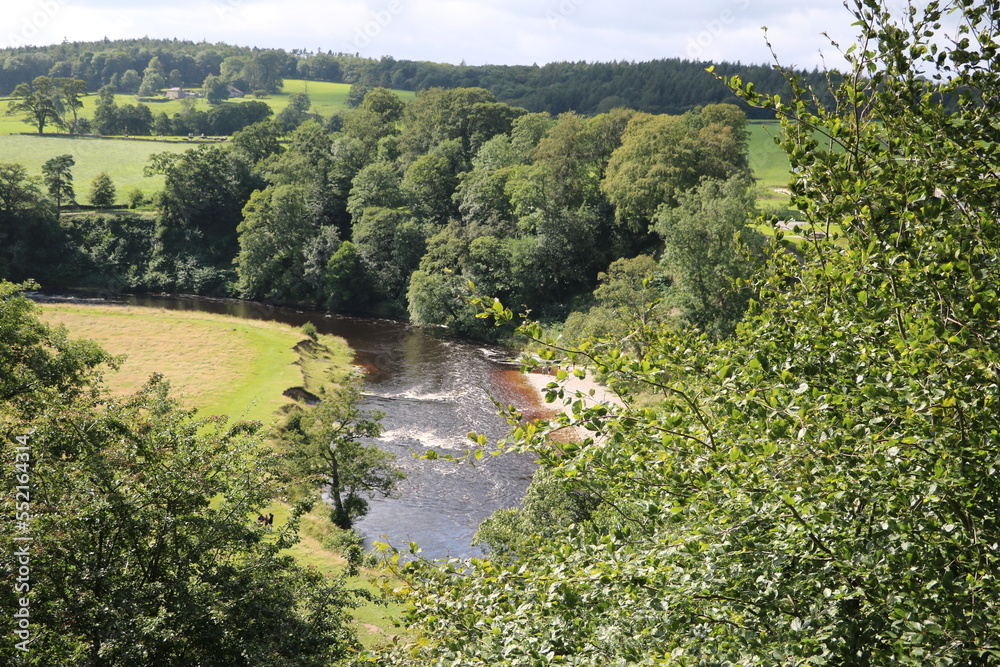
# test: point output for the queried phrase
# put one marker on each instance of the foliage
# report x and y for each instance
(38, 360)
(821, 487)
(710, 251)
(216, 90)
(257, 141)
(204, 194)
(141, 512)
(309, 329)
(662, 156)
(274, 229)
(549, 507)
(58, 176)
(102, 191)
(327, 451)
(348, 286)
(39, 103)
(629, 300)
(389, 244)
(30, 242)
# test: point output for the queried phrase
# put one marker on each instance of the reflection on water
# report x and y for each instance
(434, 392)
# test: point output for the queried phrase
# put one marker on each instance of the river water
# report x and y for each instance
(433, 391)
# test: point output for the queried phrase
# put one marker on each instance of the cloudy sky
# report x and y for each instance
(474, 31)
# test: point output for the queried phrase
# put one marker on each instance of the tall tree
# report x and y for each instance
(29, 229)
(58, 175)
(39, 103)
(711, 252)
(326, 446)
(216, 90)
(204, 193)
(71, 90)
(102, 191)
(275, 228)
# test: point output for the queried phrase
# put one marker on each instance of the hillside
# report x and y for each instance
(660, 86)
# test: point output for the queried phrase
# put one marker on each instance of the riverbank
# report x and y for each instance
(234, 366)
(219, 364)
(588, 388)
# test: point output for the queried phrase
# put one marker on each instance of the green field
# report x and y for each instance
(327, 98)
(767, 160)
(122, 159)
(222, 365)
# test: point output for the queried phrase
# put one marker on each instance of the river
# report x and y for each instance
(434, 391)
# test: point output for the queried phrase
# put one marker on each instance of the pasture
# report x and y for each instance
(219, 364)
(122, 159)
(327, 98)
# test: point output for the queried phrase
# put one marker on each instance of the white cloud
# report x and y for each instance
(477, 31)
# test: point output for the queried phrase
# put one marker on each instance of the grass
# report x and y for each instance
(768, 161)
(123, 160)
(769, 164)
(222, 365)
(227, 365)
(327, 98)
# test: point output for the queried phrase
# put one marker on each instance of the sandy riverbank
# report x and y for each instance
(571, 385)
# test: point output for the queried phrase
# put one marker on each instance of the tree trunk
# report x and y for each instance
(340, 516)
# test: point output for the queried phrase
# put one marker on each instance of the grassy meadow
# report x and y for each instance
(769, 164)
(122, 159)
(327, 98)
(125, 159)
(228, 365)
(219, 364)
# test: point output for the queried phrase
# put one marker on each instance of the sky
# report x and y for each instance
(477, 32)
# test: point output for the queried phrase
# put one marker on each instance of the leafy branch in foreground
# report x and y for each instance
(821, 487)
(143, 548)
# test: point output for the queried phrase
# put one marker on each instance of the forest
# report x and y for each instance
(404, 209)
(671, 86)
(800, 466)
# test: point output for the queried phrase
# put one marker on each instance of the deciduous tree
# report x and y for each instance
(102, 191)
(326, 446)
(39, 103)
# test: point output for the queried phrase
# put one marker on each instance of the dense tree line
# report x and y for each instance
(125, 63)
(667, 86)
(405, 209)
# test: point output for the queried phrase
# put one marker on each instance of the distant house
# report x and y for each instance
(177, 93)
(234, 91)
